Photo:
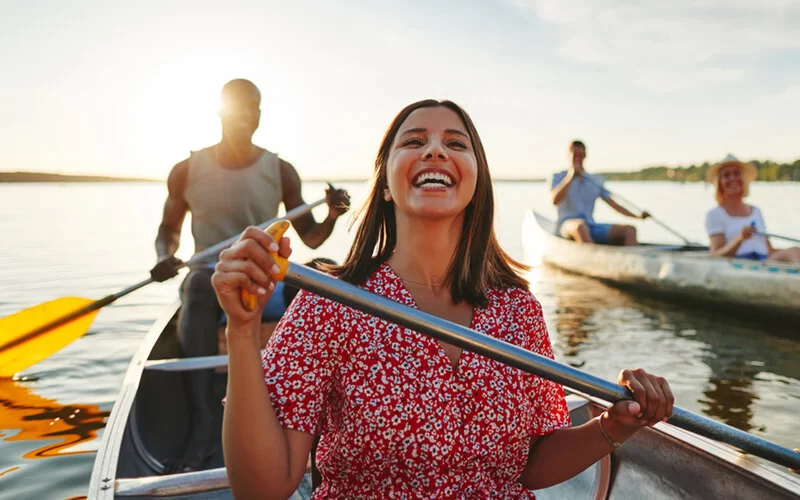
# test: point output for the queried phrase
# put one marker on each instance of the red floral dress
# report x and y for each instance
(396, 419)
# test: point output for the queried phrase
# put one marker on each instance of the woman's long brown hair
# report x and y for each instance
(478, 262)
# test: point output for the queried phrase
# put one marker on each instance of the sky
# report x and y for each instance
(130, 88)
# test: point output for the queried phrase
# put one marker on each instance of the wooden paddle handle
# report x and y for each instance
(276, 230)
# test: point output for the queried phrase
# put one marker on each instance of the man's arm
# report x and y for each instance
(624, 211)
(560, 190)
(312, 233)
(169, 231)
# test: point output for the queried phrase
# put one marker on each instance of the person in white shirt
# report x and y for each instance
(736, 229)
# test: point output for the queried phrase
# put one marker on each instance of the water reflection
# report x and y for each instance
(738, 354)
(719, 361)
(25, 416)
(730, 396)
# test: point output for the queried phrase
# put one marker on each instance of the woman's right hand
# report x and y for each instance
(247, 265)
(746, 233)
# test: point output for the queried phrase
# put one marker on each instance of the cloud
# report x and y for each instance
(669, 46)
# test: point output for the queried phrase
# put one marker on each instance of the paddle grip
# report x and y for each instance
(276, 230)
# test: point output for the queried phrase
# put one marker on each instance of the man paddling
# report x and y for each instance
(574, 193)
(226, 187)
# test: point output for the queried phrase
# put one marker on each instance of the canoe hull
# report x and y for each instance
(681, 273)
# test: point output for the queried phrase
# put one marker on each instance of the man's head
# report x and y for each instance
(578, 148)
(239, 111)
(578, 151)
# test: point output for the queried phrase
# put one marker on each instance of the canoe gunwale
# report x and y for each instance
(185, 483)
(722, 453)
(102, 482)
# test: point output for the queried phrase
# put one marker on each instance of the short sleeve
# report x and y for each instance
(300, 361)
(714, 222)
(549, 403)
(556, 178)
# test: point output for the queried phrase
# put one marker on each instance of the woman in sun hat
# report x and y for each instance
(734, 228)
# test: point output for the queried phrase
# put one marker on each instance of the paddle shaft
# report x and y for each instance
(509, 354)
(198, 258)
(633, 206)
(778, 236)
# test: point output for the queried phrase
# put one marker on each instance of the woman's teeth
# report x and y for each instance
(433, 178)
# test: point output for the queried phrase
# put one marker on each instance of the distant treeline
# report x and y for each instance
(767, 171)
(47, 177)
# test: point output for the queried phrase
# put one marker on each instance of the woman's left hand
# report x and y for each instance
(652, 403)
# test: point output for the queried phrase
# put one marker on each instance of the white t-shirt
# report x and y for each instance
(719, 221)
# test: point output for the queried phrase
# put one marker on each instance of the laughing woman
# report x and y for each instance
(400, 414)
(733, 227)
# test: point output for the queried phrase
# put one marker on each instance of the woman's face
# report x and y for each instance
(730, 178)
(431, 170)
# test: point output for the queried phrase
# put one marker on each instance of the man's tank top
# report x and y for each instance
(223, 202)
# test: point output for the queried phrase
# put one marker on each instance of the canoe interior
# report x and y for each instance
(662, 463)
(156, 430)
(160, 416)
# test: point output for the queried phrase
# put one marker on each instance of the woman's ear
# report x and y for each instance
(387, 195)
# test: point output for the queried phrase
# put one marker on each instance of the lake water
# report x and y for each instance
(90, 240)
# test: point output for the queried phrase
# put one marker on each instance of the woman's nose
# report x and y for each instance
(435, 151)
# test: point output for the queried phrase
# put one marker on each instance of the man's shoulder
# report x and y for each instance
(596, 178)
(289, 174)
(180, 169)
(557, 177)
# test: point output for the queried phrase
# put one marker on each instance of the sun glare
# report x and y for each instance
(175, 107)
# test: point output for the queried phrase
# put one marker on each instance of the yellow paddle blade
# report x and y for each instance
(19, 356)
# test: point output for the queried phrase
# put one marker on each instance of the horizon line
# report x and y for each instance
(38, 176)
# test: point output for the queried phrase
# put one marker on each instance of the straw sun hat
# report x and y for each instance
(749, 174)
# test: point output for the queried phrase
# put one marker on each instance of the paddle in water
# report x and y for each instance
(37, 332)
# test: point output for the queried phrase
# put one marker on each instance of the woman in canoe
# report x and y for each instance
(733, 227)
(400, 414)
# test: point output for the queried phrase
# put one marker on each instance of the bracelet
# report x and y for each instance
(614, 444)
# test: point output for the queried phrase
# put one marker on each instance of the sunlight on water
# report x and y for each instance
(90, 240)
(64, 428)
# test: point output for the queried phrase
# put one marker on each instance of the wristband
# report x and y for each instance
(614, 444)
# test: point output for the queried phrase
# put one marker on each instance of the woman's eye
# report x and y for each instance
(456, 144)
(414, 141)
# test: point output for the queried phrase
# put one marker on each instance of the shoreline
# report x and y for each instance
(45, 177)
(36, 177)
